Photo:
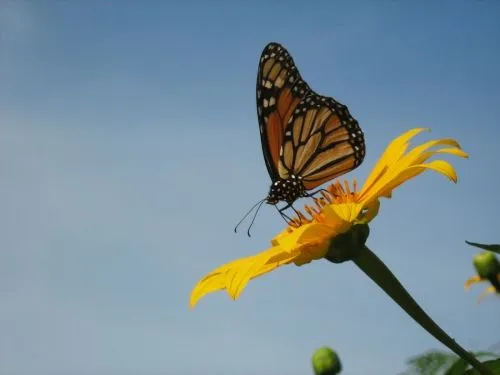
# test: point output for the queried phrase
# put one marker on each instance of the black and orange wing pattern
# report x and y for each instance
(280, 89)
(321, 141)
(302, 133)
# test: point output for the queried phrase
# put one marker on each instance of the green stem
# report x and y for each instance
(376, 270)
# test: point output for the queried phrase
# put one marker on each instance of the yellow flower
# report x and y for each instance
(488, 270)
(308, 238)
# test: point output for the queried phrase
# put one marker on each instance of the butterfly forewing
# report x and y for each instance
(280, 89)
(321, 141)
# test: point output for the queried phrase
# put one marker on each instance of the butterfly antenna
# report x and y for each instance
(259, 203)
(254, 216)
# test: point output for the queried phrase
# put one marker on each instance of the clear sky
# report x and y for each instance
(129, 149)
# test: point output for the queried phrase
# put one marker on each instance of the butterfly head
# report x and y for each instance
(288, 190)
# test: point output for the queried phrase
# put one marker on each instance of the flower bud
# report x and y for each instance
(486, 265)
(325, 361)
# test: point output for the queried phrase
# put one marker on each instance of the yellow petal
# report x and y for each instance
(371, 212)
(450, 151)
(234, 276)
(283, 233)
(417, 155)
(304, 234)
(440, 166)
(278, 260)
(311, 251)
(346, 212)
(489, 290)
(248, 270)
(453, 151)
(412, 156)
(392, 153)
(212, 282)
(471, 281)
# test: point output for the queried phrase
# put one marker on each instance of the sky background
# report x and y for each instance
(129, 149)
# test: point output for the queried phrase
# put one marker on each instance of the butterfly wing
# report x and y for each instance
(321, 141)
(280, 89)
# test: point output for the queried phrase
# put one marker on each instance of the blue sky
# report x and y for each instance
(129, 149)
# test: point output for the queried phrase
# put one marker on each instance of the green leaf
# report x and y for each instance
(458, 368)
(436, 362)
(431, 362)
(492, 247)
(493, 365)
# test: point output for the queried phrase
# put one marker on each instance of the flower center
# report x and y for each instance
(335, 193)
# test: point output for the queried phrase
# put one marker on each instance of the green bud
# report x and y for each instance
(486, 265)
(346, 246)
(326, 362)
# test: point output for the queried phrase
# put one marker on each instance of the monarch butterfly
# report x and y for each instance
(307, 139)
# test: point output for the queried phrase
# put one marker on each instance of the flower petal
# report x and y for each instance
(282, 234)
(278, 260)
(393, 153)
(419, 155)
(489, 290)
(302, 235)
(453, 151)
(346, 212)
(440, 166)
(248, 270)
(234, 276)
(410, 165)
(412, 156)
(212, 282)
(371, 211)
(472, 280)
(450, 151)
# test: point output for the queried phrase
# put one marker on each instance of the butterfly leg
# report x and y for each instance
(286, 217)
(283, 215)
(311, 195)
(297, 213)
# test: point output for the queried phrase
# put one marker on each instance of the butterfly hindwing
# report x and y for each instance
(280, 89)
(321, 141)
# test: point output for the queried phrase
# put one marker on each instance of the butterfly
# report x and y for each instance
(307, 139)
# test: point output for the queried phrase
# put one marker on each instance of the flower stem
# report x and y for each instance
(376, 270)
